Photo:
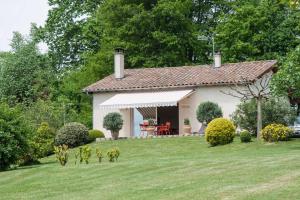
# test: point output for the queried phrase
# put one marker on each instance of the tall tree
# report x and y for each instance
(25, 74)
(256, 30)
(286, 82)
(63, 31)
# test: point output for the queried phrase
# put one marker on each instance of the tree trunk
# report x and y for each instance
(259, 117)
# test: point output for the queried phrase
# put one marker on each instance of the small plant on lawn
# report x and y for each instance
(113, 154)
(86, 154)
(114, 123)
(62, 154)
(99, 154)
(220, 131)
(245, 136)
(80, 155)
(76, 157)
(72, 134)
(93, 134)
(276, 132)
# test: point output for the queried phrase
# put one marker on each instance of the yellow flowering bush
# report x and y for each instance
(220, 131)
(276, 132)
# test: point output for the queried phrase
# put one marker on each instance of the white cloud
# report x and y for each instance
(16, 15)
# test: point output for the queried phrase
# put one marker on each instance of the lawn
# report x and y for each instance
(165, 168)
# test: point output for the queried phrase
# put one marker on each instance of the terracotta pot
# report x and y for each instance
(150, 130)
(115, 135)
(187, 129)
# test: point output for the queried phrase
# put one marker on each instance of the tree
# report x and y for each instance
(257, 89)
(63, 31)
(208, 111)
(25, 73)
(256, 30)
(13, 136)
(286, 82)
(113, 122)
(274, 110)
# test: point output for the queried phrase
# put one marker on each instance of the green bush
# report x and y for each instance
(72, 134)
(276, 132)
(274, 110)
(14, 134)
(208, 111)
(220, 131)
(62, 154)
(114, 123)
(43, 141)
(93, 134)
(113, 154)
(245, 136)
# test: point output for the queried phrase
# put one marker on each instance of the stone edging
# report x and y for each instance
(150, 137)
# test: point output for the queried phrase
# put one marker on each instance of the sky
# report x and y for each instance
(16, 15)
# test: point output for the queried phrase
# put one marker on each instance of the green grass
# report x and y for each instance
(172, 168)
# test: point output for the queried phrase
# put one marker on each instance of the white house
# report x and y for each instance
(169, 93)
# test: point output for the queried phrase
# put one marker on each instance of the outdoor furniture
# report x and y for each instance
(164, 129)
(143, 129)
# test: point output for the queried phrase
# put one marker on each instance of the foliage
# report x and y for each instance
(43, 141)
(86, 154)
(14, 133)
(113, 122)
(72, 134)
(220, 131)
(93, 134)
(207, 111)
(276, 132)
(62, 154)
(186, 122)
(151, 122)
(245, 136)
(63, 31)
(26, 74)
(113, 154)
(274, 110)
(99, 154)
(257, 30)
(286, 81)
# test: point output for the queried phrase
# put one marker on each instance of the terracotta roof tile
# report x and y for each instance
(186, 76)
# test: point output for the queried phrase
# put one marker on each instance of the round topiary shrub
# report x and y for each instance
(93, 134)
(113, 122)
(72, 134)
(245, 136)
(276, 132)
(208, 111)
(220, 131)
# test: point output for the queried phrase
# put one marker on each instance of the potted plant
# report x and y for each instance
(113, 122)
(187, 126)
(151, 127)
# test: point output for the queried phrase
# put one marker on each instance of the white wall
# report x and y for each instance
(188, 106)
(98, 115)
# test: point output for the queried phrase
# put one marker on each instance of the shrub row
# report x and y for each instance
(84, 154)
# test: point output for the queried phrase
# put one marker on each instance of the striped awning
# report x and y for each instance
(145, 99)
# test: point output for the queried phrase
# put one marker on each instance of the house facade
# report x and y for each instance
(170, 94)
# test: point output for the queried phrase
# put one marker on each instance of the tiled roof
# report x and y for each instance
(183, 77)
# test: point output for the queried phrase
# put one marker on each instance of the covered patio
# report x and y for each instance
(160, 106)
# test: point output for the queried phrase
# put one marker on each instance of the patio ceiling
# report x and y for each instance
(145, 99)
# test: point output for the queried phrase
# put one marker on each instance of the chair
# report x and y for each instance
(164, 129)
(143, 128)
